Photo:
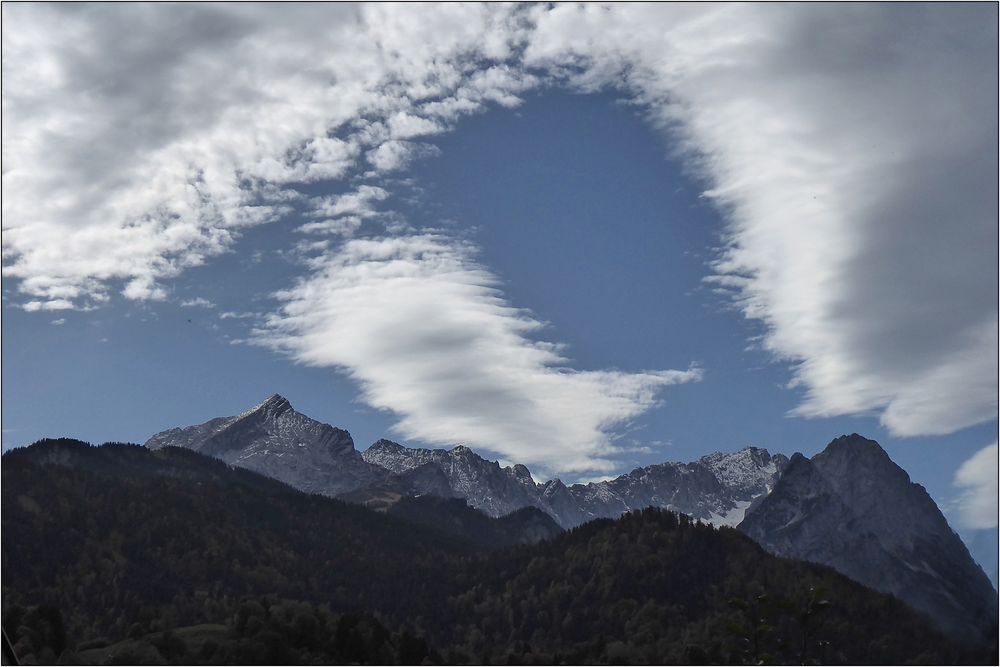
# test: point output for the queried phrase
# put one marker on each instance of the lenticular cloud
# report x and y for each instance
(428, 336)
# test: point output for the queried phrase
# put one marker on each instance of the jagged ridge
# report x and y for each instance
(717, 488)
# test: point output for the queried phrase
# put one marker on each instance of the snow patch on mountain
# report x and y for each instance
(733, 517)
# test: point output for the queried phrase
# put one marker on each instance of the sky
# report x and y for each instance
(582, 238)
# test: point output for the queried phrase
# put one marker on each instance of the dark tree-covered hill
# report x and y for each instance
(453, 516)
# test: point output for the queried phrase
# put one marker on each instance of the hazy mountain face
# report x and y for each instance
(273, 439)
(852, 508)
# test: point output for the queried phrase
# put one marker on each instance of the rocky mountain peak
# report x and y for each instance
(273, 439)
(860, 469)
(749, 472)
(890, 534)
(855, 446)
(273, 406)
(856, 458)
(393, 456)
(797, 461)
(553, 486)
(383, 445)
(523, 474)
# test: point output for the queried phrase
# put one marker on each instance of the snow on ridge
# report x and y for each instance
(733, 517)
(749, 469)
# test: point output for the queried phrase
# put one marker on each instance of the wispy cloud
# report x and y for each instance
(53, 304)
(978, 504)
(343, 214)
(234, 315)
(425, 331)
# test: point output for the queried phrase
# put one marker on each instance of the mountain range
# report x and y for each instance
(716, 488)
(272, 438)
(849, 507)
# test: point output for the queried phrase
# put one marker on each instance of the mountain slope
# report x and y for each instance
(852, 508)
(273, 439)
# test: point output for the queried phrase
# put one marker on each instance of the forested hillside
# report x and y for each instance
(119, 554)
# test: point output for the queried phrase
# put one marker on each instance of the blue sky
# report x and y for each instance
(577, 238)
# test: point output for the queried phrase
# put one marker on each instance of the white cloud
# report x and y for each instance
(393, 155)
(54, 304)
(233, 315)
(128, 160)
(344, 226)
(59, 322)
(343, 214)
(408, 126)
(597, 479)
(358, 202)
(427, 334)
(851, 149)
(144, 288)
(978, 476)
(197, 302)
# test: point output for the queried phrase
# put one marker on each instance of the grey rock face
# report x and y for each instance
(717, 488)
(486, 486)
(852, 508)
(273, 439)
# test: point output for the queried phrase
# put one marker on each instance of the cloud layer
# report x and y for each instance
(978, 505)
(427, 334)
(849, 148)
